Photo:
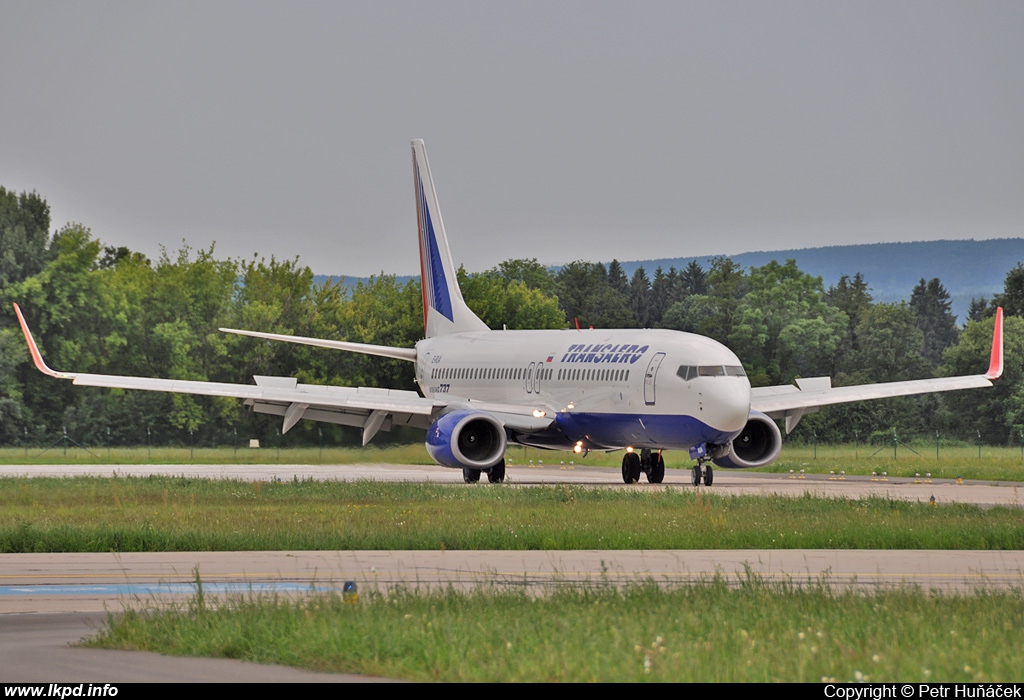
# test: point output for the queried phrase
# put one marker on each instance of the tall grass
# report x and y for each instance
(186, 514)
(760, 632)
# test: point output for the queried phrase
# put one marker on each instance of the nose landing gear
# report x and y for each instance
(702, 471)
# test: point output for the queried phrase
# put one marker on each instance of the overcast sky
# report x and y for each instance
(556, 130)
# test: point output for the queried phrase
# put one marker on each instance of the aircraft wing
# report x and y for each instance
(369, 408)
(809, 394)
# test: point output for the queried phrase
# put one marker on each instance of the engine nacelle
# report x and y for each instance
(467, 439)
(758, 445)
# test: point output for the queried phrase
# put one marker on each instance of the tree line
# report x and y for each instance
(101, 309)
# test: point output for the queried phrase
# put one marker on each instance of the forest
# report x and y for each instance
(104, 309)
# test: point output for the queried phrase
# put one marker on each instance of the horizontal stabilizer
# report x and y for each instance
(408, 354)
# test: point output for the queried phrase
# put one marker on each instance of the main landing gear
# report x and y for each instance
(702, 471)
(653, 465)
(495, 474)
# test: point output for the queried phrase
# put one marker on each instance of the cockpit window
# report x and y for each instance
(688, 372)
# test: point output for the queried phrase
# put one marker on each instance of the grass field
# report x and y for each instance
(757, 632)
(160, 513)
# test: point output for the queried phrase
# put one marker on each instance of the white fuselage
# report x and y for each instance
(607, 388)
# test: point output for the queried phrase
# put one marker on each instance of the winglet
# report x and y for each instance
(995, 364)
(32, 348)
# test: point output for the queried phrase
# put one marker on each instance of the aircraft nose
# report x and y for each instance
(727, 406)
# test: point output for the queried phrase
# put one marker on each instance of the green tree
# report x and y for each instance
(529, 272)
(380, 311)
(931, 305)
(662, 295)
(693, 280)
(996, 413)
(853, 298)
(12, 406)
(65, 303)
(617, 279)
(1012, 296)
(584, 293)
(640, 298)
(890, 350)
(977, 310)
(24, 236)
(785, 327)
(890, 343)
(716, 312)
(512, 305)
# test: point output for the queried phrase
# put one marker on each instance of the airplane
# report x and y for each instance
(641, 391)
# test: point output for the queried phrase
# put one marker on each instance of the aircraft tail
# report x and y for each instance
(444, 310)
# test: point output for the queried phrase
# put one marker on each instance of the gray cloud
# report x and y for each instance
(556, 130)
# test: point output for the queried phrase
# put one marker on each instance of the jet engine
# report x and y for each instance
(467, 439)
(758, 445)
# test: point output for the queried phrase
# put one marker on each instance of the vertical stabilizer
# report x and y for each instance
(444, 310)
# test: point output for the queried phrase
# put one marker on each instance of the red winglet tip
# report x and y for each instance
(995, 365)
(37, 358)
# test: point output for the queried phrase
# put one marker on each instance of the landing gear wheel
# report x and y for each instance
(496, 474)
(631, 467)
(470, 476)
(696, 475)
(656, 474)
(709, 475)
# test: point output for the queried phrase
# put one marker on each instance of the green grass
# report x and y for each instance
(756, 631)
(161, 513)
(710, 631)
(994, 464)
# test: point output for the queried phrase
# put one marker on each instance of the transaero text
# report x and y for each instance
(597, 352)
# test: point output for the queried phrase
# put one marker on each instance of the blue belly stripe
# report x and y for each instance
(666, 431)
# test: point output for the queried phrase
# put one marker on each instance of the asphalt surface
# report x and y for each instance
(727, 482)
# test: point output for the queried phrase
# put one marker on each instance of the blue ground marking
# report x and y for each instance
(155, 589)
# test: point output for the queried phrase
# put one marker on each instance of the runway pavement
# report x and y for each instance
(49, 600)
(727, 482)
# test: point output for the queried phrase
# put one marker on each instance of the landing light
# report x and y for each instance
(578, 447)
(629, 449)
(537, 413)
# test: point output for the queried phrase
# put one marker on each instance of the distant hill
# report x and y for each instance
(967, 268)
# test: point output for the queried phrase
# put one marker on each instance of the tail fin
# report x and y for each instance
(444, 310)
